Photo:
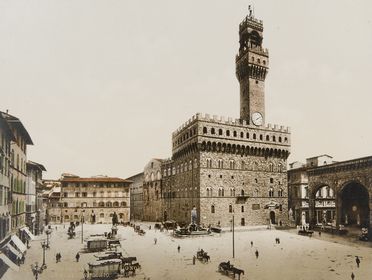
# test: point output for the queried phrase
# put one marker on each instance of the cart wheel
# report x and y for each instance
(126, 267)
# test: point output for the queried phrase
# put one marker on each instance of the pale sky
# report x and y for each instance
(101, 85)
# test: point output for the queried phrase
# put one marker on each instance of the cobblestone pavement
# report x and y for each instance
(296, 257)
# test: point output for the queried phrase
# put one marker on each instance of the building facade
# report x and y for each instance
(136, 197)
(18, 173)
(33, 186)
(153, 191)
(298, 190)
(225, 167)
(94, 199)
(6, 136)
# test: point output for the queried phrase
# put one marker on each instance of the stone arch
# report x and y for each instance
(353, 204)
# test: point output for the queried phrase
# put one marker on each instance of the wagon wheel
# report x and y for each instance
(126, 267)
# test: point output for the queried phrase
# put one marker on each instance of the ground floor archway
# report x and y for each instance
(272, 217)
(354, 205)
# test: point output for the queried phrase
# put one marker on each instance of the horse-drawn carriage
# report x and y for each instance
(71, 232)
(104, 269)
(304, 230)
(229, 269)
(202, 256)
(130, 264)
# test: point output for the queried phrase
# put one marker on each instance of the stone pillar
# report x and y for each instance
(311, 209)
(338, 203)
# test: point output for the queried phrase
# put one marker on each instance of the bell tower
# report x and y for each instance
(252, 65)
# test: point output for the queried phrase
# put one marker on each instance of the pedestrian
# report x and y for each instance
(28, 243)
(57, 257)
(256, 253)
(251, 244)
(56, 228)
(193, 260)
(320, 233)
(357, 260)
(155, 240)
(23, 259)
(77, 257)
(179, 248)
(85, 274)
(278, 240)
(352, 276)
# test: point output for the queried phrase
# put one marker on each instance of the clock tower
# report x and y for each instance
(252, 64)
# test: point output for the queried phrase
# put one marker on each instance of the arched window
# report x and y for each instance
(232, 164)
(209, 163)
(219, 192)
(230, 208)
(242, 208)
(232, 192)
(280, 139)
(208, 192)
(271, 180)
(256, 194)
(242, 134)
(267, 138)
(67, 217)
(212, 208)
(271, 168)
(101, 204)
(247, 135)
(213, 130)
(108, 204)
(220, 163)
(235, 133)
(254, 136)
(280, 192)
(280, 168)
(242, 192)
(261, 137)
(116, 204)
(220, 132)
(223, 192)
(274, 139)
(227, 132)
(102, 215)
(205, 130)
(271, 192)
(243, 164)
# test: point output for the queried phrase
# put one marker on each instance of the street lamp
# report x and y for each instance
(233, 234)
(44, 245)
(82, 227)
(36, 270)
(48, 232)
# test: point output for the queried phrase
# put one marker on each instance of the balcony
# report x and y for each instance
(242, 198)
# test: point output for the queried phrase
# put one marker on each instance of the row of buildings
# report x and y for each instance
(22, 212)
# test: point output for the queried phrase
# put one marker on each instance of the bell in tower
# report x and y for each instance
(251, 69)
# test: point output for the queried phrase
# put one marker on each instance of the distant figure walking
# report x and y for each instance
(357, 260)
(179, 248)
(155, 240)
(193, 260)
(352, 276)
(256, 253)
(320, 233)
(77, 257)
(251, 244)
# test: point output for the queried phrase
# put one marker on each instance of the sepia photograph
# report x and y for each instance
(181, 140)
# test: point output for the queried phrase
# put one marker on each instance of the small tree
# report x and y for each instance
(115, 219)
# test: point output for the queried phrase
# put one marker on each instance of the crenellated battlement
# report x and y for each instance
(250, 21)
(229, 121)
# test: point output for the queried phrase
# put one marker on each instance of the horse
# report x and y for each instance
(237, 271)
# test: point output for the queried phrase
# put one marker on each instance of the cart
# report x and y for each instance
(104, 269)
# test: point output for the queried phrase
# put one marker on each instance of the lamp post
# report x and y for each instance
(48, 232)
(82, 227)
(36, 270)
(44, 246)
(233, 235)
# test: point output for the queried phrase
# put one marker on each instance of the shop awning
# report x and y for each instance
(13, 250)
(28, 233)
(8, 262)
(20, 246)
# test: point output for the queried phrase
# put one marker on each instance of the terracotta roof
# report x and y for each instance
(96, 179)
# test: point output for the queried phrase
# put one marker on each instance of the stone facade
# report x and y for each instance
(95, 199)
(152, 191)
(224, 166)
(136, 197)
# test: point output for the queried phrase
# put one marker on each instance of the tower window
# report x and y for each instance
(280, 139)
(235, 134)
(241, 134)
(267, 138)
(256, 82)
(242, 208)
(264, 62)
(230, 208)
(227, 132)
(220, 132)
(274, 139)
(271, 192)
(212, 209)
(213, 131)
(247, 135)
(254, 136)
(271, 180)
(205, 130)
(258, 60)
(261, 137)
(252, 58)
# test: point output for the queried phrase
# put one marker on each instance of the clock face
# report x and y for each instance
(257, 118)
